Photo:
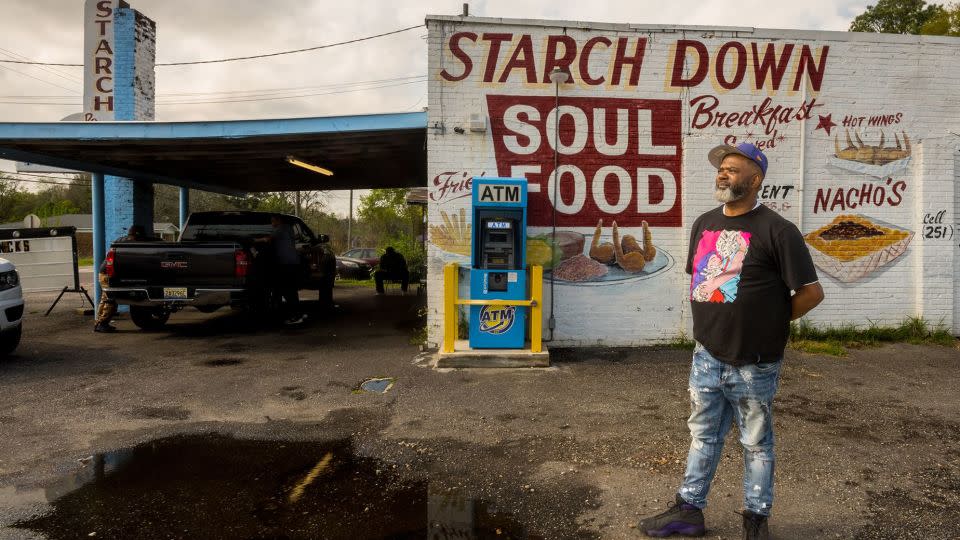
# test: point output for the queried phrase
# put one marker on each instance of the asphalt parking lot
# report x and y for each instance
(222, 426)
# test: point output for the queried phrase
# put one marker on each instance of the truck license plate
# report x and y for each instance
(174, 292)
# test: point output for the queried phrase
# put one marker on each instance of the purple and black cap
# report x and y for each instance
(746, 150)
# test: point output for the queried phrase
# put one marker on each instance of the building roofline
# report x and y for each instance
(218, 128)
(772, 33)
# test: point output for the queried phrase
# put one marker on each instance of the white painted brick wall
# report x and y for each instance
(865, 75)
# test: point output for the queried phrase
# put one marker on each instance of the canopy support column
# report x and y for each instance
(99, 231)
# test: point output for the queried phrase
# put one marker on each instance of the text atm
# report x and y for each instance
(498, 264)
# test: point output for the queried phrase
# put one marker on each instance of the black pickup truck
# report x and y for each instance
(220, 260)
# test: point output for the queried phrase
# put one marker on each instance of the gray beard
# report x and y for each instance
(730, 194)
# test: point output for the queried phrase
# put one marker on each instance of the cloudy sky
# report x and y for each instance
(381, 75)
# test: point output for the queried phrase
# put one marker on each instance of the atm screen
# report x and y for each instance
(497, 237)
(498, 224)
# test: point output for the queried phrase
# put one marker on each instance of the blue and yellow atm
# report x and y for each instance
(498, 264)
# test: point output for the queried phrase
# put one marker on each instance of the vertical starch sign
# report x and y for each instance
(618, 159)
(98, 51)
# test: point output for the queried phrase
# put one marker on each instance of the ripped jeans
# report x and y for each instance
(719, 394)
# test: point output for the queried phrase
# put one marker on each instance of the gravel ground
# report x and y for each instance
(868, 445)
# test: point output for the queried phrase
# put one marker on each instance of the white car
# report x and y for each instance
(11, 307)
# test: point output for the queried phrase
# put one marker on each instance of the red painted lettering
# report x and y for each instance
(814, 73)
(622, 157)
(769, 67)
(522, 59)
(585, 60)
(563, 62)
(493, 53)
(460, 55)
(680, 60)
(703, 110)
(635, 61)
(741, 58)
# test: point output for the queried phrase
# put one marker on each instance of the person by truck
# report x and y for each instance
(219, 261)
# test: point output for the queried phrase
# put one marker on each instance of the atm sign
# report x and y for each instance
(497, 193)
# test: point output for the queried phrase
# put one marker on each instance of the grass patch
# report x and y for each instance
(356, 283)
(85, 261)
(419, 336)
(681, 342)
(831, 347)
(835, 340)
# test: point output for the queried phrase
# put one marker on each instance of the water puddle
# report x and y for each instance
(379, 385)
(213, 486)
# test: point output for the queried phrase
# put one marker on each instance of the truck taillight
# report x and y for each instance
(242, 262)
(108, 263)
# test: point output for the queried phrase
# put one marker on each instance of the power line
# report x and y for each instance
(240, 93)
(58, 73)
(295, 96)
(244, 99)
(35, 78)
(233, 59)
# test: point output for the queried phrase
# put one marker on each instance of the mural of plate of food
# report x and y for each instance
(853, 246)
(599, 259)
(879, 161)
(452, 237)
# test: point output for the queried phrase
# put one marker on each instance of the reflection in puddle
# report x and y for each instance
(379, 385)
(213, 486)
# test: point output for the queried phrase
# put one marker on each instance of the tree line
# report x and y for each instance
(909, 17)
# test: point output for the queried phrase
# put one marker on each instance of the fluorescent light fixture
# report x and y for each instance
(309, 166)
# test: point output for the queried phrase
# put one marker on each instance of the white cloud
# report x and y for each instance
(52, 30)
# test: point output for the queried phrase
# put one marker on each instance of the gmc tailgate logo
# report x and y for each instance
(173, 264)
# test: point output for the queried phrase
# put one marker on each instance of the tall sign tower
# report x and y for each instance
(118, 84)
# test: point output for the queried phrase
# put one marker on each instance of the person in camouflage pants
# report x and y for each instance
(107, 308)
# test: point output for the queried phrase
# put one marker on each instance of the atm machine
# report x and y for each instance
(498, 262)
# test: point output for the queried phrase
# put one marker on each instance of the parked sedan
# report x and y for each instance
(353, 268)
(369, 255)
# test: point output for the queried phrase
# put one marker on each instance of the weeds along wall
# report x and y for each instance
(859, 130)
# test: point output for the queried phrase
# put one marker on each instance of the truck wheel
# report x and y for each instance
(148, 318)
(10, 339)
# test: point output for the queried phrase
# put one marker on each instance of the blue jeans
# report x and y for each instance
(719, 394)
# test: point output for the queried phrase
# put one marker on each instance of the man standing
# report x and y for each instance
(288, 268)
(744, 260)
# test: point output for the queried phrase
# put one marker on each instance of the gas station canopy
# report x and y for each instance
(239, 156)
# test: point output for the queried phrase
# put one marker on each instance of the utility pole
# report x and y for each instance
(296, 209)
(350, 222)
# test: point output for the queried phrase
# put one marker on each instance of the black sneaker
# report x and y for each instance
(755, 527)
(294, 321)
(681, 518)
(104, 327)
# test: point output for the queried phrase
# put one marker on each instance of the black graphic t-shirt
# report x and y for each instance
(742, 271)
